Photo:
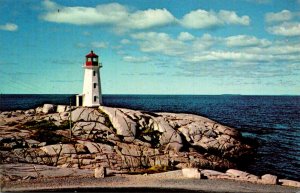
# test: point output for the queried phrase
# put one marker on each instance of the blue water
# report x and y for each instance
(272, 120)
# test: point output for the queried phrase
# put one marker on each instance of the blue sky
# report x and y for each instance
(152, 47)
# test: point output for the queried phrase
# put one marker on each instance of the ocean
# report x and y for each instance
(274, 121)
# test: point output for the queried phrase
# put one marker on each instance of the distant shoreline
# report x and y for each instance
(109, 94)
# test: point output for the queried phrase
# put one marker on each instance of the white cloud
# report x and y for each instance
(148, 18)
(125, 41)
(159, 42)
(113, 14)
(185, 36)
(50, 5)
(101, 14)
(99, 44)
(244, 41)
(199, 19)
(133, 59)
(284, 15)
(230, 17)
(9, 27)
(237, 50)
(227, 56)
(285, 29)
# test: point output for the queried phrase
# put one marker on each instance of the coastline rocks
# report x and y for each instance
(191, 173)
(293, 183)
(61, 108)
(122, 123)
(242, 175)
(29, 112)
(269, 179)
(212, 174)
(21, 171)
(48, 108)
(58, 149)
(100, 172)
(117, 138)
(122, 140)
(87, 115)
(209, 135)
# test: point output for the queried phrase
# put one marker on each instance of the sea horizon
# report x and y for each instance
(161, 94)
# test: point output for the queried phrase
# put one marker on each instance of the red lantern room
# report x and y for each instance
(91, 59)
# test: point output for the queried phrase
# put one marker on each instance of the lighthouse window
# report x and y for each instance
(94, 73)
(94, 59)
(95, 85)
(95, 98)
(89, 59)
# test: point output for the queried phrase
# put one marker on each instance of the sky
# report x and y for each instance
(249, 47)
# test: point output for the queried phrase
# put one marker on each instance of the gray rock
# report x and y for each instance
(269, 179)
(87, 114)
(48, 108)
(39, 110)
(212, 174)
(191, 173)
(242, 175)
(293, 183)
(169, 135)
(100, 172)
(32, 143)
(29, 112)
(124, 126)
(97, 147)
(61, 108)
(58, 149)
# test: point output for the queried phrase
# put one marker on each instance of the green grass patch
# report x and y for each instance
(157, 169)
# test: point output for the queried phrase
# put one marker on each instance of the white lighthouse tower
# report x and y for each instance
(91, 94)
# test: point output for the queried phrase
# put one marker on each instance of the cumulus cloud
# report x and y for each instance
(101, 14)
(9, 27)
(285, 29)
(230, 17)
(148, 18)
(200, 19)
(244, 40)
(133, 59)
(227, 56)
(123, 19)
(185, 36)
(238, 50)
(283, 15)
(113, 14)
(159, 42)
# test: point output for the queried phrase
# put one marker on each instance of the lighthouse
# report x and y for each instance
(91, 94)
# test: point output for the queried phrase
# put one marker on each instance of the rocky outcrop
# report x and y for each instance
(121, 140)
(117, 138)
(191, 173)
(237, 175)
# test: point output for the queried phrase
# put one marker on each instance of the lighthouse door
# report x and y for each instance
(79, 100)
